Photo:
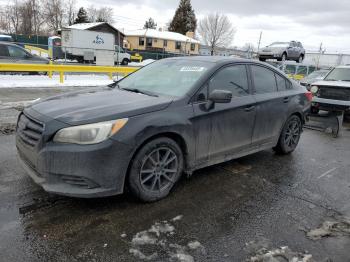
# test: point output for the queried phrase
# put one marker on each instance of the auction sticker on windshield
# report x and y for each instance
(192, 69)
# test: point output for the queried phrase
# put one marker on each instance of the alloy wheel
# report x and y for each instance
(159, 169)
(292, 134)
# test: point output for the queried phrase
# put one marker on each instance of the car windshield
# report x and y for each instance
(279, 44)
(317, 74)
(166, 77)
(339, 74)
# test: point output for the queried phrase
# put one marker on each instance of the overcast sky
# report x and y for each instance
(308, 21)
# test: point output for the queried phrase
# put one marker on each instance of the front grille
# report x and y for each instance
(336, 93)
(29, 130)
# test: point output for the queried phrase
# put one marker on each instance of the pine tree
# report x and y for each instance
(150, 24)
(184, 19)
(82, 16)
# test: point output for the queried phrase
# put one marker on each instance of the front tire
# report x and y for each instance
(155, 169)
(262, 59)
(125, 62)
(290, 136)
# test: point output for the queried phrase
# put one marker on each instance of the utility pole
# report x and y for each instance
(319, 56)
(259, 41)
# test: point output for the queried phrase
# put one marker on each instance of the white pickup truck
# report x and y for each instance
(120, 56)
(83, 45)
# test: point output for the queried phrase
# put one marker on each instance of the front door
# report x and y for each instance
(231, 124)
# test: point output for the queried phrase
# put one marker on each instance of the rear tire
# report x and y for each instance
(300, 59)
(284, 57)
(290, 136)
(155, 169)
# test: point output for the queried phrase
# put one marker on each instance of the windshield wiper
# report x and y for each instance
(135, 90)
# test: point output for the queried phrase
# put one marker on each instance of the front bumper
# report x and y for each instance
(330, 104)
(269, 55)
(75, 170)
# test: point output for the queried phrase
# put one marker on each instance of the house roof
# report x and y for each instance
(153, 33)
(86, 26)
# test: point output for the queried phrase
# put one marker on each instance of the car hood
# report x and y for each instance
(333, 83)
(97, 105)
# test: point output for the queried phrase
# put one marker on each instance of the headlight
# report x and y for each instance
(89, 134)
(314, 89)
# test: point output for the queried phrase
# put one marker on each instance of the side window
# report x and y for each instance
(16, 52)
(3, 50)
(264, 80)
(231, 78)
(281, 83)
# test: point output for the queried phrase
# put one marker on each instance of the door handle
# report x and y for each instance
(286, 100)
(249, 108)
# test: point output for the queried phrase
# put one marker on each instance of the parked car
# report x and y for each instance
(120, 56)
(332, 93)
(11, 53)
(282, 51)
(172, 116)
(314, 77)
(293, 70)
(6, 38)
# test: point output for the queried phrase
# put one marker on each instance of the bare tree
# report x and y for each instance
(103, 14)
(216, 30)
(70, 11)
(54, 14)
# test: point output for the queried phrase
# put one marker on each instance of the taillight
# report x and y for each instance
(308, 95)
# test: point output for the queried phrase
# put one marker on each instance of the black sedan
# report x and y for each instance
(171, 117)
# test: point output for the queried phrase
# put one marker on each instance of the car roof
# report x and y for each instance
(8, 43)
(214, 59)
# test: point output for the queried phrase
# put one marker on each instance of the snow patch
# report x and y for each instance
(279, 254)
(331, 229)
(182, 257)
(143, 238)
(155, 240)
(41, 81)
(138, 254)
(143, 63)
(177, 218)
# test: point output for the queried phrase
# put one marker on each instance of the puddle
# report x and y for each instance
(156, 243)
(335, 228)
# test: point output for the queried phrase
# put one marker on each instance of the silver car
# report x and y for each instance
(282, 51)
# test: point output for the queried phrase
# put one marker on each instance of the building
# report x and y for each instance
(161, 41)
(101, 27)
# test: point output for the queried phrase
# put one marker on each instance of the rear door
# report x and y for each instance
(271, 105)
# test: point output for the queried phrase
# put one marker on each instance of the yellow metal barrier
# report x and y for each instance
(137, 56)
(61, 69)
(38, 49)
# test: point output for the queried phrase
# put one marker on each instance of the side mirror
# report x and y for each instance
(220, 96)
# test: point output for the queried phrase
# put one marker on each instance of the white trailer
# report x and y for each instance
(86, 45)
